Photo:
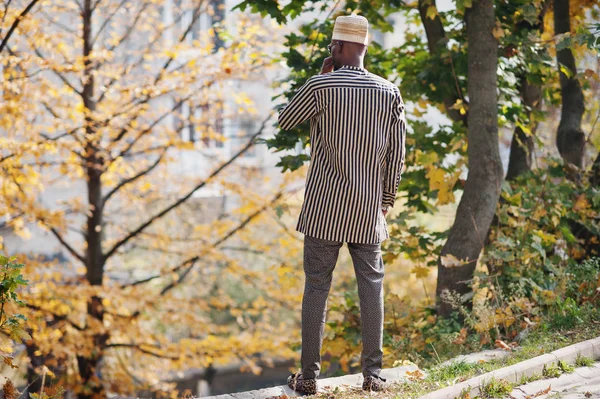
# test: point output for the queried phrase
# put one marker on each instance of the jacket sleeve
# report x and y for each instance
(300, 108)
(395, 153)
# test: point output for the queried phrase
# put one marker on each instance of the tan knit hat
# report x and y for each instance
(351, 28)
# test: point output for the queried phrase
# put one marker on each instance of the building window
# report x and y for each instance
(210, 15)
(183, 123)
(246, 129)
(203, 122)
(217, 18)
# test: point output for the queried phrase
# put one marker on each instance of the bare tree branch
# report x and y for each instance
(16, 23)
(181, 200)
(241, 226)
(7, 220)
(182, 276)
(159, 35)
(4, 158)
(56, 316)
(106, 20)
(79, 5)
(220, 241)
(193, 260)
(133, 178)
(145, 351)
(66, 244)
(6, 6)
(165, 66)
(95, 5)
(123, 38)
(130, 28)
(60, 75)
(148, 150)
(149, 128)
(189, 28)
(58, 24)
(176, 269)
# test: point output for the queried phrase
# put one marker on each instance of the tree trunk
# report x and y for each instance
(521, 148)
(35, 366)
(570, 139)
(434, 29)
(94, 258)
(595, 175)
(482, 189)
(35, 363)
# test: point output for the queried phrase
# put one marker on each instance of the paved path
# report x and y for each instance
(583, 383)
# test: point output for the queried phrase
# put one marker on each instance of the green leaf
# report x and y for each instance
(565, 43)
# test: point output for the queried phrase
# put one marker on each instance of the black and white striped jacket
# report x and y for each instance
(357, 138)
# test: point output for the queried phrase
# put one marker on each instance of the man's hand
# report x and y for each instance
(327, 65)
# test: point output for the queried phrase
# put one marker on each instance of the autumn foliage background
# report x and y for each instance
(101, 99)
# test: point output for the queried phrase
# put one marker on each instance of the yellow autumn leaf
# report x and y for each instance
(436, 177)
(498, 32)
(426, 158)
(390, 257)
(421, 271)
(431, 12)
(8, 361)
(445, 196)
(581, 203)
(337, 347)
(438, 180)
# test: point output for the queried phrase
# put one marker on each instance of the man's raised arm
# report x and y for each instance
(300, 108)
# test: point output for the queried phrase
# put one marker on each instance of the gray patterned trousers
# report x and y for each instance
(320, 257)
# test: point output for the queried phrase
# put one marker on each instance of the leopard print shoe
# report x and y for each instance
(374, 383)
(306, 386)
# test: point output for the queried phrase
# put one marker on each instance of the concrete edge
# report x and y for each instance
(513, 374)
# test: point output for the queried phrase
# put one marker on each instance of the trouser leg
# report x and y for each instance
(369, 269)
(320, 257)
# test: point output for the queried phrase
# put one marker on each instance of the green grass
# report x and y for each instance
(451, 371)
(527, 379)
(583, 361)
(565, 367)
(496, 389)
(551, 371)
(555, 370)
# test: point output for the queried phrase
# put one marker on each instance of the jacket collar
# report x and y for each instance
(353, 68)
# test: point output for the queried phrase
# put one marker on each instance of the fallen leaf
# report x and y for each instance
(451, 261)
(415, 375)
(540, 393)
(502, 345)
